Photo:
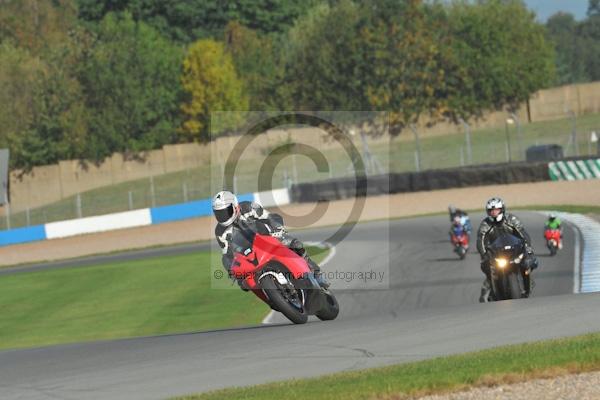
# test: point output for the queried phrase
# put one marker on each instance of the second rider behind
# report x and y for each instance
(499, 222)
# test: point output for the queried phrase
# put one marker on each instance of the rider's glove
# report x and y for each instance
(279, 232)
(529, 250)
(485, 257)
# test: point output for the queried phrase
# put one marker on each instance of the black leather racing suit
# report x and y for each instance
(491, 230)
(252, 211)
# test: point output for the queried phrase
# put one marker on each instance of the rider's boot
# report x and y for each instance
(529, 285)
(486, 290)
(317, 271)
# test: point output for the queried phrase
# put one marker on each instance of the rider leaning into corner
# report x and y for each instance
(230, 213)
(497, 222)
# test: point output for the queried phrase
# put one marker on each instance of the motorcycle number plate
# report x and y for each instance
(507, 247)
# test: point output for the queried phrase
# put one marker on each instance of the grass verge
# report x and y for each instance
(122, 299)
(500, 365)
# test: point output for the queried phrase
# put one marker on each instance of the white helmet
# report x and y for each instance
(225, 207)
(495, 203)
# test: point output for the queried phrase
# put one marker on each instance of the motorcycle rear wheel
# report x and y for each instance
(332, 309)
(274, 293)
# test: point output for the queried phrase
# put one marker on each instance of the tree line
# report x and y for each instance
(82, 79)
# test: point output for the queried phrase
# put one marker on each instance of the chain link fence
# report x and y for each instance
(410, 151)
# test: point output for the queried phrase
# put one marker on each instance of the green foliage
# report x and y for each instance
(577, 45)
(36, 24)
(43, 117)
(256, 63)
(324, 61)
(189, 20)
(503, 52)
(414, 58)
(211, 83)
(412, 70)
(86, 78)
(131, 80)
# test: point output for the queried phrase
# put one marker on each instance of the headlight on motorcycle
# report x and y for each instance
(501, 262)
(518, 259)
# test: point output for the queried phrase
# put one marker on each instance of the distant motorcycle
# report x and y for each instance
(279, 277)
(552, 237)
(460, 242)
(509, 276)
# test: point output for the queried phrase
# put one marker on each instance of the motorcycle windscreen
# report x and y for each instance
(506, 242)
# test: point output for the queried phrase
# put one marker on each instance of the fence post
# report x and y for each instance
(130, 198)
(468, 141)
(574, 132)
(295, 168)
(27, 216)
(78, 206)
(7, 215)
(417, 161)
(418, 145)
(152, 196)
(508, 155)
(519, 138)
(185, 192)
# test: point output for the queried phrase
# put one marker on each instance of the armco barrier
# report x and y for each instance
(100, 223)
(22, 235)
(192, 209)
(272, 197)
(574, 169)
(131, 219)
(335, 189)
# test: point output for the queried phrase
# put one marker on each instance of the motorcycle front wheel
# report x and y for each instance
(279, 296)
(513, 286)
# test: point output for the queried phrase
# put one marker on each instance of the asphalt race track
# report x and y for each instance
(414, 300)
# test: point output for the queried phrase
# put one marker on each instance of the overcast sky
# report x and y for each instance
(545, 8)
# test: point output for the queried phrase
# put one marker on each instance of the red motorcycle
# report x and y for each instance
(460, 241)
(279, 276)
(552, 237)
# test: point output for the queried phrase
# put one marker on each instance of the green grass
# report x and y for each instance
(503, 364)
(125, 299)
(398, 156)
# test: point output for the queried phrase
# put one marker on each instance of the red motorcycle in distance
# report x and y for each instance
(460, 241)
(278, 276)
(553, 239)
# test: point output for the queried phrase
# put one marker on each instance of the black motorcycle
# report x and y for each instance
(509, 271)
